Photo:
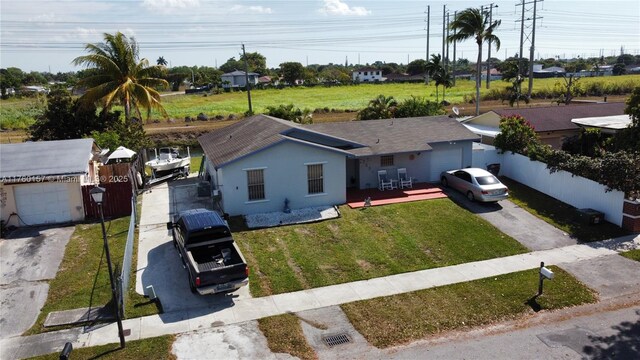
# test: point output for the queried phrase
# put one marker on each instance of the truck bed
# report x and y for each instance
(211, 257)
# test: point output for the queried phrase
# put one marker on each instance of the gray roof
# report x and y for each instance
(393, 136)
(238, 73)
(243, 138)
(45, 158)
(358, 138)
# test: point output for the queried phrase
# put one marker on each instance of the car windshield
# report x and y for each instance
(487, 180)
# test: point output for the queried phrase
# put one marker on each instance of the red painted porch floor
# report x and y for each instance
(420, 191)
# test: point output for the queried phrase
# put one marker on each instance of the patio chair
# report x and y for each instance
(403, 179)
(384, 183)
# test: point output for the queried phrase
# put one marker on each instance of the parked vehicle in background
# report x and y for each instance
(476, 184)
(208, 251)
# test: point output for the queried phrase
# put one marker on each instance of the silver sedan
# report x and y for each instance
(476, 184)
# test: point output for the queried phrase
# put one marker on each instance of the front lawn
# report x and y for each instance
(561, 215)
(153, 348)
(398, 319)
(284, 335)
(83, 277)
(632, 254)
(368, 243)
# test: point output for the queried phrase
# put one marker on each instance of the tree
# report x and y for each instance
(231, 65)
(619, 69)
(257, 63)
(416, 106)
(516, 135)
(510, 68)
(629, 138)
(443, 78)
(66, 118)
(434, 69)
(10, 78)
(161, 61)
(291, 71)
(417, 67)
(121, 76)
(381, 107)
(472, 23)
(570, 88)
(291, 113)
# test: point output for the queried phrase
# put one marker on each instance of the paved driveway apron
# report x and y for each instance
(30, 256)
(516, 222)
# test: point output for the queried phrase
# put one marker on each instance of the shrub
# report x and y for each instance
(291, 113)
(415, 106)
(516, 135)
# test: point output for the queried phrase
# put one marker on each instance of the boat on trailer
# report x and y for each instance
(169, 160)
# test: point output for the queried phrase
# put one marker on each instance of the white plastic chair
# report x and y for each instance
(384, 183)
(403, 179)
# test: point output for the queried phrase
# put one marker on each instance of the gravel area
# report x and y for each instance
(298, 216)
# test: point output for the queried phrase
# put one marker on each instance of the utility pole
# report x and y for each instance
(491, 6)
(531, 37)
(246, 79)
(427, 52)
(444, 40)
(455, 31)
(448, 62)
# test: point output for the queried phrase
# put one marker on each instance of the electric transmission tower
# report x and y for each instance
(528, 35)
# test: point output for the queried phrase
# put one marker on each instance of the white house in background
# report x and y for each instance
(40, 182)
(257, 163)
(237, 79)
(367, 74)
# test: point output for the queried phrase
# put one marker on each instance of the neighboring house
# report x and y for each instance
(257, 163)
(550, 72)
(606, 124)
(367, 74)
(404, 78)
(551, 123)
(268, 80)
(237, 79)
(40, 182)
(494, 73)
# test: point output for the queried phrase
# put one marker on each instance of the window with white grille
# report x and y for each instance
(255, 183)
(386, 160)
(315, 179)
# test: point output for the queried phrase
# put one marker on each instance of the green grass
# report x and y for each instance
(365, 244)
(398, 319)
(561, 215)
(19, 113)
(153, 348)
(284, 335)
(632, 254)
(195, 164)
(83, 277)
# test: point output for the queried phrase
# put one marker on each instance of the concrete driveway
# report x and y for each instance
(30, 256)
(159, 264)
(516, 222)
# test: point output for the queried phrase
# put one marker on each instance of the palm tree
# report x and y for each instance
(120, 76)
(161, 61)
(381, 107)
(472, 23)
(435, 70)
(443, 78)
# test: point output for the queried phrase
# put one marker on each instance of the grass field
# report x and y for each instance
(19, 113)
(365, 244)
(632, 254)
(562, 216)
(399, 319)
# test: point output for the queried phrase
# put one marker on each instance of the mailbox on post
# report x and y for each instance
(544, 274)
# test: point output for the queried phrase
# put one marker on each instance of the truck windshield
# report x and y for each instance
(209, 234)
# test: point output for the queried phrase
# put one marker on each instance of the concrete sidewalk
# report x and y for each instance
(245, 309)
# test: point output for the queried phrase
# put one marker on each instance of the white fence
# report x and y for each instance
(573, 190)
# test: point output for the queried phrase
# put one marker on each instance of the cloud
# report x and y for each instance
(168, 6)
(242, 9)
(340, 8)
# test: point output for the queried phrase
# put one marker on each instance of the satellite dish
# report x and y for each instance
(455, 110)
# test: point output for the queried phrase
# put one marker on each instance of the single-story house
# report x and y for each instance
(550, 72)
(404, 78)
(40, 182)
(367, 74)
(552, 123)
(261, 161)
(606, 124)
(494, 73)
(237, 79)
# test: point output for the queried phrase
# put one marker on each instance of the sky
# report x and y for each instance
(46, 35)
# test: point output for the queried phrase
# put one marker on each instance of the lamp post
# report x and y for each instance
(97, 194)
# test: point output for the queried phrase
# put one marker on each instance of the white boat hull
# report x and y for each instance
(168, 165)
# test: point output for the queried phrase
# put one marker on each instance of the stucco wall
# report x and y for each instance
(9, 205)
(285, 176)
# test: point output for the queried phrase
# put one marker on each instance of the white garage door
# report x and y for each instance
(43, 203)
(442, 160)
